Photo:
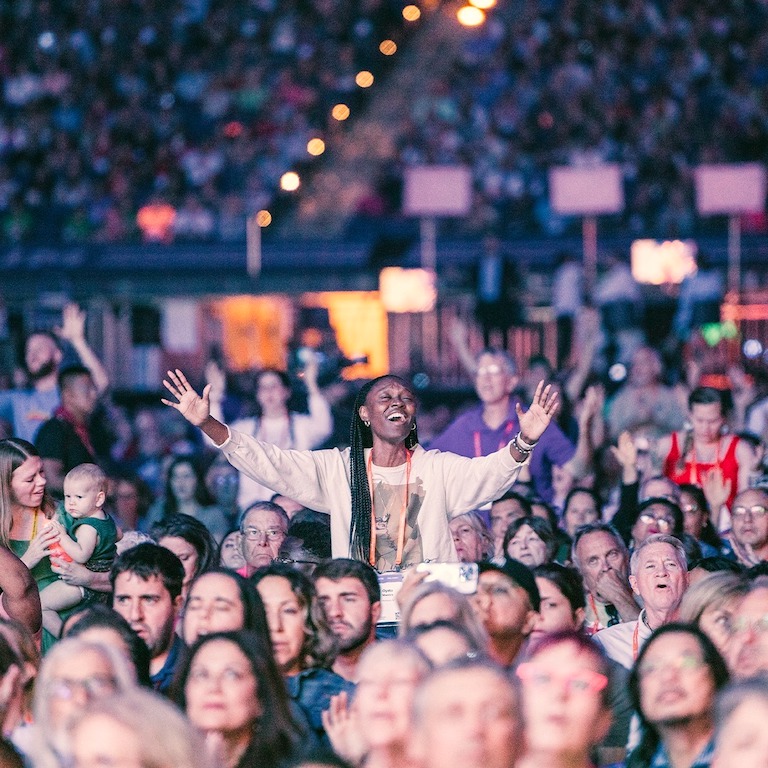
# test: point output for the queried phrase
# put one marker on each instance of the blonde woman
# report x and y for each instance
(135, 729)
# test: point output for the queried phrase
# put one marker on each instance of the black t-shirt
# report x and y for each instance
(57, 439)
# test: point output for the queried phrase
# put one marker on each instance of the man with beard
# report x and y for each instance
(673, 688)
(146, 583)
(26, 409)
(349, 599)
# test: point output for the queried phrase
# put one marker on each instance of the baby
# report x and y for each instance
(91, 539)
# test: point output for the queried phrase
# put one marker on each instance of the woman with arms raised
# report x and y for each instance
(390, 501)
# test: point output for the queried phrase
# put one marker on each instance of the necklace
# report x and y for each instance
(381, 523)
(694, 472)
(34, 526)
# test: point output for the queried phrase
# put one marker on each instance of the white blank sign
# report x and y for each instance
(730, 188)
(437, 190)
(586, 191)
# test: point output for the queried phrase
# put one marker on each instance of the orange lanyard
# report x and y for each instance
(636, 641)
(504, 440)
(593, 606)
(403, 511)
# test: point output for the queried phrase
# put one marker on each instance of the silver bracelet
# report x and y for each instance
(524, 452)
(522, 444)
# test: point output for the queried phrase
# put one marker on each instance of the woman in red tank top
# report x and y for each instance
(689, 456)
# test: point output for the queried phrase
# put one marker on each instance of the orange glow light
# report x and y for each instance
(315, 147)
(290, 181)
(388, 47)
(483, 5)
(411, 13)
(364, 79)
(469, 16)
(340, 112)
(263, 218)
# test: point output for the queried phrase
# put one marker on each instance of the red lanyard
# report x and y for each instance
(636, 641)
(403, 511)
(504, 440)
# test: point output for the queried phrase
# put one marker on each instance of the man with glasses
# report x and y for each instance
(673, 688)
(747, 650)
(659, 576)
(264, 527)
(492, 424)
(749, 527)
(507, 604)
(658, 514)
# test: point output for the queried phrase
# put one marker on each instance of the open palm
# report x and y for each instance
(193, 407)
(536, 419)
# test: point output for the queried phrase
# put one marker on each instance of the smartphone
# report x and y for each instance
(460, 576)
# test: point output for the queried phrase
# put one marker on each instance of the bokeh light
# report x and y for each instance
(340, 112)
(290, 181)
(364, 79)
(315, 147)
(469, 16)
(483, 5)
(263, 218)
(411, 13)
(388, 47)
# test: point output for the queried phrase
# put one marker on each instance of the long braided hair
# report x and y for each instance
(361, 438)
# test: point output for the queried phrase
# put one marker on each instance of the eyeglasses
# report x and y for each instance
(743, 624)
(93, 687)
(740, 513)
(662, 522)
(272, 534)
(489, 370)
(291, 561)
(686, 662)
(580, 681)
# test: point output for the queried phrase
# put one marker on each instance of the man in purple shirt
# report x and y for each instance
(493, 423)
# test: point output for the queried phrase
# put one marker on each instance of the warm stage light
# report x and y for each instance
(263, 218)
(483, 5)
(290, 181)
(364, 79)
(411, 13)
(469, 16)
(340, 112)
(315, 147)
(388, 47)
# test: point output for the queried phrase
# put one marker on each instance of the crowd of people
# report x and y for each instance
(655, 87)
(554, 577)
(191, 113)
(141, 120)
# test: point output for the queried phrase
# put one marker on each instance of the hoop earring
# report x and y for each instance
(413, 427)
(367, 423)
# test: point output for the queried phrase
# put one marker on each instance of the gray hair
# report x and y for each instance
(659, 538)
(506, 359)
(465, 614)
(266, 506)
(597, 527)
(481, 529)
(713, 591)
(49, 738)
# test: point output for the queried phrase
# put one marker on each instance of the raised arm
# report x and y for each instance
(196, 409)
(20, 597)
(72, 329)
(534, 421)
